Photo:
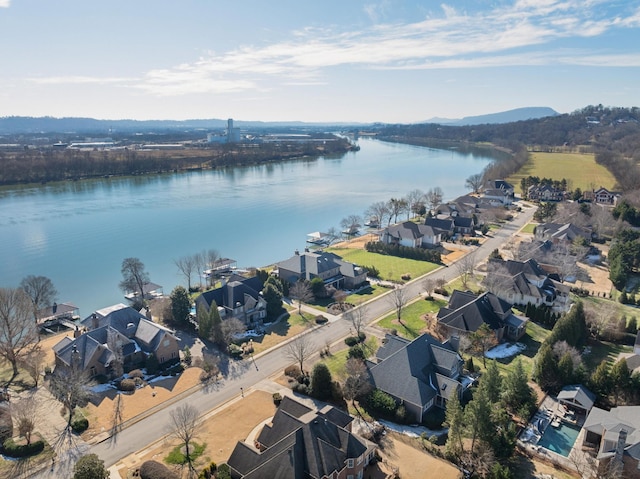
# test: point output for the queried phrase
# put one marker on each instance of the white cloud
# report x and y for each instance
(521, 33)
(5, 3)
(78, 79)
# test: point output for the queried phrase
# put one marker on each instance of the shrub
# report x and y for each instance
(6, 423)
(208, 472)
(156, 470)
(372, 271)
(223, 472)
(356, 352)
(136, 373)
(127, 385)
(381, 403)
(321, 319)
(277, 399)
(405, 277)
(301, 388)
(441, 291)
(152, 364)
(235, 350)
(292, 371)
(362, 336)
(79, 423)
(351, 340)
(12, 449)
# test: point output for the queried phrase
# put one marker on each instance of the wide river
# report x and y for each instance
(78, 233)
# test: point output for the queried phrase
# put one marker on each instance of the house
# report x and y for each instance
(57, 312)
(329, 267)
(463, 225)
(118, 332)
(149, 290)
(565, 233)
(498, 192)
(466, 312)
(237, 297)
(633, 359)
(526, 282)
(614, 437)
(544, 192)
(577, 397)
(419, 374)
(410, 234)
(445, 226)
(603, 196)
(301, 443)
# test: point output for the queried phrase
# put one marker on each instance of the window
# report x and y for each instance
(349, 462)
(359, 460)
(350, 476)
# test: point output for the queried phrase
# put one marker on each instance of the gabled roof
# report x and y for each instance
(118, 316)
(529, 268)
(579, 394)
(237, 289)
(562, 231)
(410, 230)
(57, 310)
(609, 424)
(438, 224)
(308, 262)
(467, 312)
(300, 443)
(498, 184)
(407, 370)
(463, 221)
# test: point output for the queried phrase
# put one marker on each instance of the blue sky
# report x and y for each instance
(329, 60)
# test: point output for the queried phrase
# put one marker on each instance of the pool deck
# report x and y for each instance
(551, 413)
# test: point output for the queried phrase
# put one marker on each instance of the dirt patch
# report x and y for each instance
(357, 242)
(101, 410)
(237, 420)
(405, 456)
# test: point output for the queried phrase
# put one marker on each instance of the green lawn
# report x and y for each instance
(355, 298)
(412, 321)
(580, 169)
(473, 284)
(336, 362)
(530, 228)
(391, 268)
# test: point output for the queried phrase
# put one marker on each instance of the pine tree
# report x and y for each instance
(491, 382)
(600, 382)
(216, 325)
(620, 379)
(545, 369)
(477, 417)
(565, 369)
(204, 322)
(454, 418)
(517, 394)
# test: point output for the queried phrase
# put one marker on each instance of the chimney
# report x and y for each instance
(296, 252)
(94, 321)
(76, 332)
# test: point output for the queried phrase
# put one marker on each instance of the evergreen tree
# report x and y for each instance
(321, 382)
(477, 417)
(600, 382)
(517, 394)
(90, 467)
(217, 334)
(620, 379)
(491, 382)
(545, 369)
(180, 305)
(565, 369)
(204, 322)
(272, 294)
(454, 418)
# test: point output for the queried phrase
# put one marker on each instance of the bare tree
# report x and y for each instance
(200, 261)
(34, 363)
(230, 328)
(357, 384)
(299, 350)
(185, 425)
(212, 257)
(301, 292)
(40, 290)
(24, 412)
(465, 267)
(378, 210)
(118, 415)
(18, 331)
(134, 277)
(429, 284)
(186, 265)
(351, 224)
(396, 206)
(340, 297)
(434, 197)
(498, 280)
(398, 299)
(474, 182)
(71, 385)
(358, 318)
(414, 199)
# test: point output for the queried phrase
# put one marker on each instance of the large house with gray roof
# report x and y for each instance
(237, 297)
(466, 312)
(116, 333)
(329, 267)
(565, 233)
(302, 443)
(614, 437)
(421, 374)
(412, 235)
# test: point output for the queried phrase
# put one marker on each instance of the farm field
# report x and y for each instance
(580, 169)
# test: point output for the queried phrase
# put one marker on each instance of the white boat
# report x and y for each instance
(318, 238)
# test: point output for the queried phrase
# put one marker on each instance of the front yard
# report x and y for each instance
(414, 318)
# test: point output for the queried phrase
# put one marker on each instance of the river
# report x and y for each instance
(78, 233)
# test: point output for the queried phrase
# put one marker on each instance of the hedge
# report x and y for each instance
(420, 254)
(156, 470)
(12, 449)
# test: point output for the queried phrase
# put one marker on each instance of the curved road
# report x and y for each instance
(244, 374)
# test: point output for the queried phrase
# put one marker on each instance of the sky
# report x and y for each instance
(317, 61)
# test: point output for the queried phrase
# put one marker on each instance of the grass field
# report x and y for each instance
(529, 228)
(412, 321)
(391, 268)
(580, 169)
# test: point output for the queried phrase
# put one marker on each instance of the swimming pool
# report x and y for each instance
(559, 439)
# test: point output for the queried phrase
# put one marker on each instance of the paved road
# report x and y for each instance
(244, 374)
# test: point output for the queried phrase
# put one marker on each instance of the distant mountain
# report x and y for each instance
(518, 114)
